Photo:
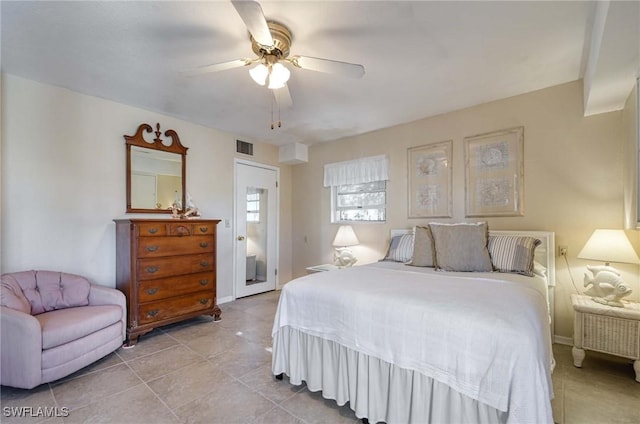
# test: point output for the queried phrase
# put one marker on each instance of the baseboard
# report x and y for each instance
(563, 340)
(227, 299)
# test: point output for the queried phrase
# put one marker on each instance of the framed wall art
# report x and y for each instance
(494, 173)
(429, 180)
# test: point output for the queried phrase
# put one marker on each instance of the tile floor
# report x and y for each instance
(203, 372)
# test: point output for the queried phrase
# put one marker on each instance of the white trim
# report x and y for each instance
(563, 340)
(225, 299)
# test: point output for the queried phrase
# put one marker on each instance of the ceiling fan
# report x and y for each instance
(271, 42)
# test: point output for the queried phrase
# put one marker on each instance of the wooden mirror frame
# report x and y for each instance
(175, 147)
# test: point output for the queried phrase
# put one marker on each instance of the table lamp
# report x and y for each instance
(345, 237)
(606, 285)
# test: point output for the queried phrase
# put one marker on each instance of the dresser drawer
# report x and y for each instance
(152, 229)
(151, 290)
(170, 308)
(152, 268)
(150, 247)
(190, 228)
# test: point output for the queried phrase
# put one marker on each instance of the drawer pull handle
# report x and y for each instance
(152, 291)
(204, 244)
(152, 269)
(204, 229)
(153, 230)
(152, 313)
(204, 282)
(152, 248)
(204, 301)
(204, 264)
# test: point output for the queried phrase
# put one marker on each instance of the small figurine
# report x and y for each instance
(607, 286)
(175, 211)
(192, 211)
(344, 258)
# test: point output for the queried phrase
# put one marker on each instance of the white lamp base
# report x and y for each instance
(607, 286)
(343, 257)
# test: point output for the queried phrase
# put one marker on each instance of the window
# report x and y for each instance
(359, 202)
(253, 207)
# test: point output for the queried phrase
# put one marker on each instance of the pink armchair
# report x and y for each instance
(53, 324)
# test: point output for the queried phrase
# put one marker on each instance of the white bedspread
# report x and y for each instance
(484, 336)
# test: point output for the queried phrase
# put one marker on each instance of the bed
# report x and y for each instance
(411, 344)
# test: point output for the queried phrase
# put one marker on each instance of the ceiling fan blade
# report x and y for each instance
(253, 17)
(222, 66)
(283, 97)
(351, 70)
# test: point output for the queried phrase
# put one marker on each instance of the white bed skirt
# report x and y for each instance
(375, 389)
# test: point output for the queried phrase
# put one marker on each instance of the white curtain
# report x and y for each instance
(358, 171)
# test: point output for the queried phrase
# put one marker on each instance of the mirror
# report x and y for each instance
(155, 171)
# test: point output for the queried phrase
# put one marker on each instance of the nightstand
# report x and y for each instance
(606, 329)
(321, 268)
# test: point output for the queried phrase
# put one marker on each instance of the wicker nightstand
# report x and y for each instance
(606, 329)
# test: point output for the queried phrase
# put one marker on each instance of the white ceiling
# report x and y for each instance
(421, 58)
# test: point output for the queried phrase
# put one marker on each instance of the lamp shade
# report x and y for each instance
(609, 246)
(345, 237)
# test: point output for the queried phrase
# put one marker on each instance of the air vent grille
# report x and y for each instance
(244, 147)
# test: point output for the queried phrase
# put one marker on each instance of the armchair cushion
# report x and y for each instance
(49, 290)
(64, 326)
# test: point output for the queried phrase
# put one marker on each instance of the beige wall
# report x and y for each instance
(63, 181)
(630, 157)
(572, 173)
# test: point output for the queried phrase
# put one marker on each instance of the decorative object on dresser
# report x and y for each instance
(345, 237)
(156, 172)
(167, 271)
(606, 285)
(602, 328)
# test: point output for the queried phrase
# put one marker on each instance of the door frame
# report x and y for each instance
(244, 162)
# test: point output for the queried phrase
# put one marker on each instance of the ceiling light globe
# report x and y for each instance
(259, 74)
(279, 76)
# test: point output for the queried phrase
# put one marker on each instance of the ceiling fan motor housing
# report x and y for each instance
(281, 41)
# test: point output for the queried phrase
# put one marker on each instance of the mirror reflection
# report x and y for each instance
(156, 179)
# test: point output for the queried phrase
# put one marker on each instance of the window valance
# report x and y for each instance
(358, 171)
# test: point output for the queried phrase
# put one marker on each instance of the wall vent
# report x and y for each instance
(244, 147)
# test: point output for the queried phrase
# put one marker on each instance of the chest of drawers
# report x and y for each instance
(167, 270)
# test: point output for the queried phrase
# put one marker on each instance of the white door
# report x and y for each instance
(256, 220)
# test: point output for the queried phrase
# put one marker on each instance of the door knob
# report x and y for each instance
(240, 238)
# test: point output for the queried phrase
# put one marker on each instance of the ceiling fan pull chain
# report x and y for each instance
(279, 121)
(272, 114)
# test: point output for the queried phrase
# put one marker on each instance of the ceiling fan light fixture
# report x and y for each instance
(259, 74)
(278, 76)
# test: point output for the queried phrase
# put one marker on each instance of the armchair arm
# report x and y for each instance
(20, 350)
(101, 295)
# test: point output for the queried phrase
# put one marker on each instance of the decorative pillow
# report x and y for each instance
(422, 247)
(400, 248)
(513, 253)
(461, 247)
